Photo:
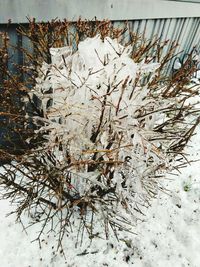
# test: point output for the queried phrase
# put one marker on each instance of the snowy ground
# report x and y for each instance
(169, 237)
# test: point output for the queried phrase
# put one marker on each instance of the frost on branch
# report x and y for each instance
(110, 136)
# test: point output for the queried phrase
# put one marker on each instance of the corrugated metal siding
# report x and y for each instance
(186, 31)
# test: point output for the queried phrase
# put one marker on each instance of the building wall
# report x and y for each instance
(116, 10)
(168, 19)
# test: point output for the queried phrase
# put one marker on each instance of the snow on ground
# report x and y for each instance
(168, 237)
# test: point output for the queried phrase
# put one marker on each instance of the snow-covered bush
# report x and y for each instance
(99, 125)
(111, 130)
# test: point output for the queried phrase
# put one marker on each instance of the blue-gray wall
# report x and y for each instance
(17, 10)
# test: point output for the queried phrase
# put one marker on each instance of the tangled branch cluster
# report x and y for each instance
(111, 130)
